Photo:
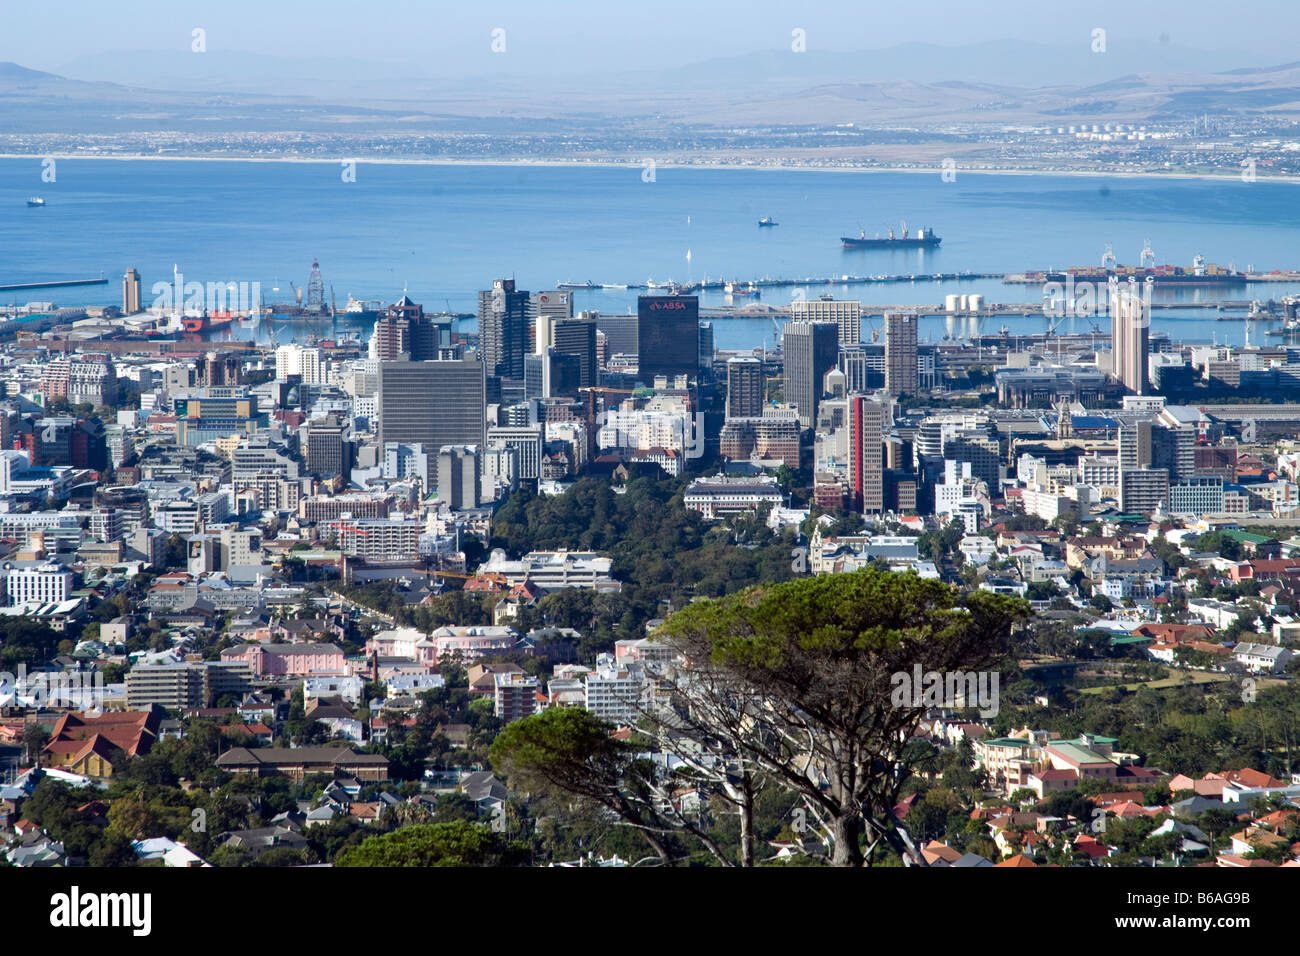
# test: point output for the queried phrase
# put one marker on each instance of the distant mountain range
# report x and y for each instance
(989, 83)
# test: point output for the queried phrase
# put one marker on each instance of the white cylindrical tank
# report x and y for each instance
(951, 303)
(964, 302)
(975, 302)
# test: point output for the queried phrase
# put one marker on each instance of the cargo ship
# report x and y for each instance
(1199, 273)
(36, 201)
(741, 288)
(206, 322)
(364, 309)
(924, 239)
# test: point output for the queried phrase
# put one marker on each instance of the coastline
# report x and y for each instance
(637, 164)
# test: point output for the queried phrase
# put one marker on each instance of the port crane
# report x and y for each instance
(1148, 257)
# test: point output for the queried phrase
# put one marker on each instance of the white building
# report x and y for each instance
(613, 691)
(46, 584)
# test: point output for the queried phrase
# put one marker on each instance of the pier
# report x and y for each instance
(57, 284)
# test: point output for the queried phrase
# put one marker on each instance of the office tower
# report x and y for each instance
(620, 333)
(1130, 319)
(668, 336)
(866, 454)
(504, 317)
(578, 337)
(844, 313)
(561, 374)
(706, 349)
(744, 388)
(131, 292)
(526, 440)
(549, 308)
(432, 403)
(982, 452)
(555, 374)
(460, 471)
(329, 452)
(810, 350)
(404, 330)
(900, 353)
(534, 375)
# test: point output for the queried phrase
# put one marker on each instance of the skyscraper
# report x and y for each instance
(706, 350)
(810, 350)
(432, 403)
(131, 292)
(329, 452)
(578, 337)
(744, 388)
(845, 313)
(549, 308)
(620, 333)
(900, 353)
(504, 316)
(404, 330)
(1130, 318)
(866, 454)
(668, 335)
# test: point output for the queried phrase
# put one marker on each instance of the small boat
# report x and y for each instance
(36, 201)
(768, 221)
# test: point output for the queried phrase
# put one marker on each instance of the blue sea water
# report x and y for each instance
(444, 231)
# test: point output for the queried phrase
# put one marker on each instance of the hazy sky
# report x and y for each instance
(578, 35)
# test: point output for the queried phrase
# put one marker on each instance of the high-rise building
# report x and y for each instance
(526, 440)
(577, 337)
(329, 451)
(900, 353)
(131, 292)
(620, 333)
(810, 350)
(432, 403)
(668, 336)
(1135, 445)
(845, 313)
(706, 349)
(460, 470)
(866, 454)
(1130, 317)
(1142, 490)
(405, 330)
(504, 319)
(744, 388)
(549, 308)
(982, 452)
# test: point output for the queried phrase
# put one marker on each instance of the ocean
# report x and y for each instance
(442, 232)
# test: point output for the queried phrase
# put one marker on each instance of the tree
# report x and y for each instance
(434, 844)
(822, 658)
(571, 751)
(35, 737)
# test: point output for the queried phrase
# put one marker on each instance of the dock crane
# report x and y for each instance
(1148, 257)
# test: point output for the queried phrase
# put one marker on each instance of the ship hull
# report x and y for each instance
(1156, 278)
(851, 243)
